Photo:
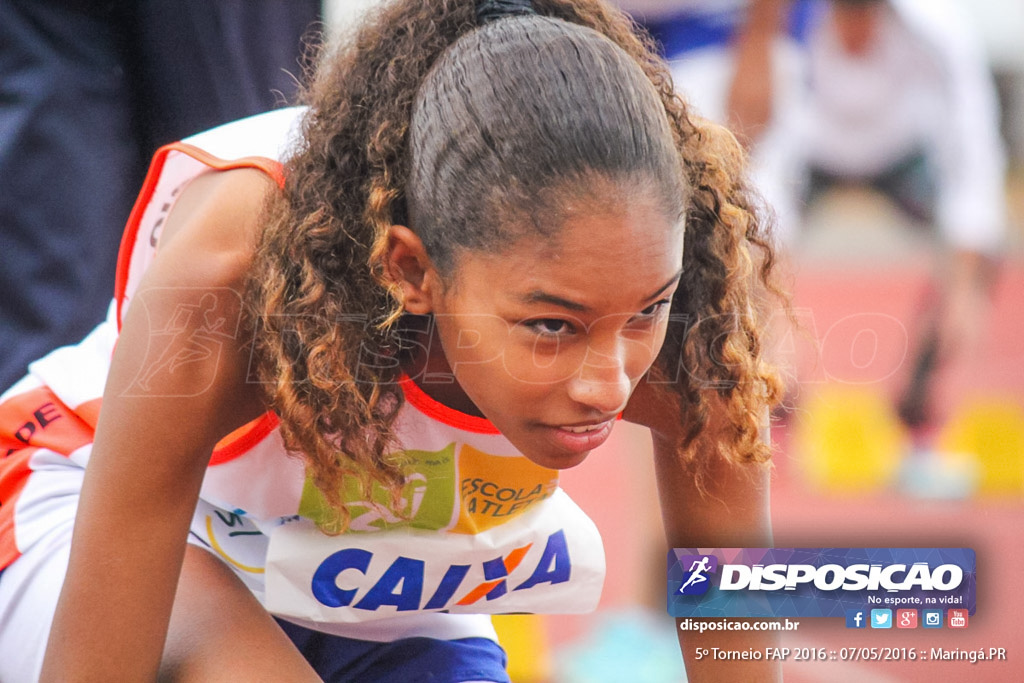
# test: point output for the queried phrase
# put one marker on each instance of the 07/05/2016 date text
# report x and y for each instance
(853, 654)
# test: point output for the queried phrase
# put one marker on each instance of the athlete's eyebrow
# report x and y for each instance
(538, 296)
(671, 281)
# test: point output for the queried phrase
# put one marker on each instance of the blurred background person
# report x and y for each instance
(742, 63)
(901, 100)
(894, 95)
(88, 90)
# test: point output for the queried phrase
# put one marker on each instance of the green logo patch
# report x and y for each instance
(427, 501)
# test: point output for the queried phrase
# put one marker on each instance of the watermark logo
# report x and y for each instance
(696, 580)
(820, 582)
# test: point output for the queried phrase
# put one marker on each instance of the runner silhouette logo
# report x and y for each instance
(696, 580)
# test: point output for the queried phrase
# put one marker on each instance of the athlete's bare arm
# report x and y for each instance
(726, 507)
(749, 104)
(178, 383)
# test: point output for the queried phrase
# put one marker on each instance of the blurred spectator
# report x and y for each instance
(893, 94)
(88, 90)
(901, 99)
(741, 62)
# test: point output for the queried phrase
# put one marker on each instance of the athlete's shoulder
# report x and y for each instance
(212, 231)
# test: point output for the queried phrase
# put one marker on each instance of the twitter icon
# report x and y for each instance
(881, 618)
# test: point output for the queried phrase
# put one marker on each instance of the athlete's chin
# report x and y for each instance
(555, 458)
(558, 461)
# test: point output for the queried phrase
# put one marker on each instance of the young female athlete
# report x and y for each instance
(343, 386)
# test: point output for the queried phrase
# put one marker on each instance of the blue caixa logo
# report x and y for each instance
(697, 571)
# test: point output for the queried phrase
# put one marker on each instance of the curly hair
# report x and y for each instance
(379, 149)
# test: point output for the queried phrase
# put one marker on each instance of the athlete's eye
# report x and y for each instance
(654, 309)
(549, 327)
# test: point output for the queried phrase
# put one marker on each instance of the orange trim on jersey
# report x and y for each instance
(37, 418)
(442, 413)
(89, 412)
(244, 438)
(14, 473)
(271, 167)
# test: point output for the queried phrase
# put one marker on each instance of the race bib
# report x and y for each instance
(549, 559)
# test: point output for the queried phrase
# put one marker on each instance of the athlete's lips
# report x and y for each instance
(582, 436)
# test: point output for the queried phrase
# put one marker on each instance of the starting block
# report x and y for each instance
(849, 440)
(991, 431)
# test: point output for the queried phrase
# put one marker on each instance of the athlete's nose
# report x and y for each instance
(602, 384)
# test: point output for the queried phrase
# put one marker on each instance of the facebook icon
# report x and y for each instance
(856, 618)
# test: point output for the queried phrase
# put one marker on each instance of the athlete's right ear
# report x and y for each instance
(411, 269)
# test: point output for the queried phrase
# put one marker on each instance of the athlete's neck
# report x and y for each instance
(428, 366)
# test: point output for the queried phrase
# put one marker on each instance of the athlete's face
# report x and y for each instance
(548, 337)
(856, 24)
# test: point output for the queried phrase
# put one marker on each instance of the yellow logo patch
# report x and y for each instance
(494, 489)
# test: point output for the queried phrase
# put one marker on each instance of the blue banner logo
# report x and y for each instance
(819, 582)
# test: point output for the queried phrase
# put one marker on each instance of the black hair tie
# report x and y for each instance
(492, 10)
